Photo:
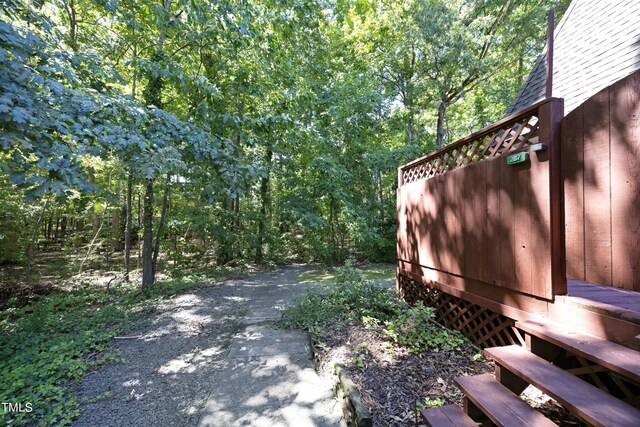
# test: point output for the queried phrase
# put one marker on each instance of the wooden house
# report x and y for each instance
(525, 235)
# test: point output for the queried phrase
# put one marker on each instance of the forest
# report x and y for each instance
(151, 147)
(155, 134)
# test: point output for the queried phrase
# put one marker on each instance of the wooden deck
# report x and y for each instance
(613, 302)
(609, 313)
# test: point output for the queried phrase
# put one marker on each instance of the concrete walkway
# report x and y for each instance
(211, 357)
(268, 378)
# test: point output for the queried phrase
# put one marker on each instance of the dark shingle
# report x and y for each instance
(597, 43)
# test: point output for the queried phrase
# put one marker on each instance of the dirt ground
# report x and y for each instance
(394, 382)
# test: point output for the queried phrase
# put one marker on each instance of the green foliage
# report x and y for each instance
(351, 298)
(277, 128)
(348, 274)
(329, 275)
(355, 299)
(428, 403)
(415, 329)
(279, 125)
(47, 345)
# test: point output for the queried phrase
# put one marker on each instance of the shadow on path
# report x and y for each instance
(213, 358)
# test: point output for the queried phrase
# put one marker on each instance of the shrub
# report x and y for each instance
(351, 298)
(416, 329)
(373, 306)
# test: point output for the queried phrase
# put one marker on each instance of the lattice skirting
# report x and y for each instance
(486, 328)
(482, 326)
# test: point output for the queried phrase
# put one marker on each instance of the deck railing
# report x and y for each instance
(513, 133)
(465, 213)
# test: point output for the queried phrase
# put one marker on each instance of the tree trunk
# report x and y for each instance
(56, 233)
(152, 96)
(380, 195)
(127, 228)
(95, 237)
(236, 224)
(49, 227)
(236, 213)
(115, 230)
(91, 178)
(32, 241)
(442, 109)
(63, 226)
(139, 258)
(70, 8)
(410, 125)
(332, 238)
(265, 198)
(147, 249)
(165, 204)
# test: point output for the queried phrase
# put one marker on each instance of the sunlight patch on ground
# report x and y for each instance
(236, 299)
(189, 362)
(131, 383)
(328, 275)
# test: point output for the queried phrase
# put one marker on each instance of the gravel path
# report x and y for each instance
(212, 358)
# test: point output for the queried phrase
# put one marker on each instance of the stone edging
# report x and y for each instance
(350, 400)
(355, 413)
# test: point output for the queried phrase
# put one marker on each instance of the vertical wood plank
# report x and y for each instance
(540, 210)
(459, 205)
(505, 234)
(430, 232)
(436, 221)
(481, 230)
(556, 199)
(597, 189)
(475, 214)
(492, 228)
(625, 182)
(573, 177)
(452, 229)
(401, 221)
(523, 256)
(414, 226)
(471, 218)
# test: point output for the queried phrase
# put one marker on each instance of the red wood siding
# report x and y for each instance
(601, 175)
(484, 222)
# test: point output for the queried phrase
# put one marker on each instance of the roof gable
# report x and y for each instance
(596, 43)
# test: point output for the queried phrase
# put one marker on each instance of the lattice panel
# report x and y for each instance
(512, 136)
(482, 326)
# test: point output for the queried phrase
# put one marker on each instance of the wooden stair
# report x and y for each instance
(447, 416)
(581, 398)
(497, 400)
(615, 357)
(499, 404)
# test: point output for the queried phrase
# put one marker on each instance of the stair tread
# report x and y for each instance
(447, 416)
(618, 358)
(588, 402)
(501, 406)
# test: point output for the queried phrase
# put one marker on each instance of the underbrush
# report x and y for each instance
(353, 298)
(54, 340)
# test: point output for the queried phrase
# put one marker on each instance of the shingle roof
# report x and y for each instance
(596, 43)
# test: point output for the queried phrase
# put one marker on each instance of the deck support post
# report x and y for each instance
(551, 115)
(472, 410)
(510, 380)
(543, 349)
